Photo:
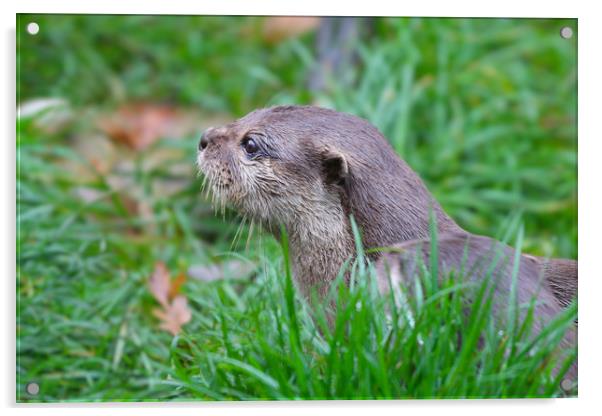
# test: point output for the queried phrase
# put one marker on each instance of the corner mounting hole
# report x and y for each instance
(566, 32)
(33, 28)
(566, 384)
(32, 388)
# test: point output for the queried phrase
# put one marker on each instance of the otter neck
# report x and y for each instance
(320, 242)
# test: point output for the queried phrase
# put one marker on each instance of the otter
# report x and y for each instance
(310, 168)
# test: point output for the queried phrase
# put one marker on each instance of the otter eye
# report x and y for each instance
(250, 146)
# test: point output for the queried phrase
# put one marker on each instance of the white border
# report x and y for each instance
(590, 93)
(507, 8)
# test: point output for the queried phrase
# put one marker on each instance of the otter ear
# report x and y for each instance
(334, 166)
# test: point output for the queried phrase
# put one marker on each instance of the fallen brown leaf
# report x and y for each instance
(159, 284)
(174, 311)
(174, 315)
(176, 284)
(277, 28)
(138, 125)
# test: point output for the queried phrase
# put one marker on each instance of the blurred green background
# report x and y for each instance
(111, 111)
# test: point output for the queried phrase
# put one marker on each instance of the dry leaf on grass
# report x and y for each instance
(138, 125)
(174, 311)
(159, 284)
(173, 317)
(176, 284)
(277, 28)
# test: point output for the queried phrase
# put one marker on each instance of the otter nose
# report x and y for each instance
(203, 143)
(205, 138)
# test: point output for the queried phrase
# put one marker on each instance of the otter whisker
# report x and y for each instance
(251, 229)
(203, 185)
(223, 208)
(209, 193)
(238, 234)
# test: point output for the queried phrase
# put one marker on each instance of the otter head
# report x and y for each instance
(273, 166)
(309, 169)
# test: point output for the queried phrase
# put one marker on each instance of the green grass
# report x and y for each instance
(273, 346)
(483, 110)
(200, 61)
(86, 331)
